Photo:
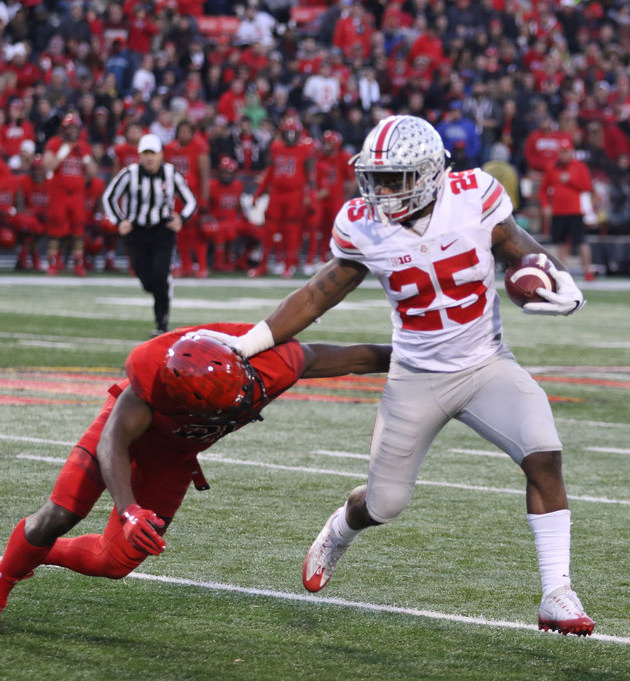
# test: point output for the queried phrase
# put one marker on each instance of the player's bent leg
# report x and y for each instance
(99, 555)
(545, 491)
(30, 543)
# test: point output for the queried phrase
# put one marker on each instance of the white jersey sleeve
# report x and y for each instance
(441, 284)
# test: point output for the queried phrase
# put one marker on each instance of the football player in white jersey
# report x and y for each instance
(432, 238)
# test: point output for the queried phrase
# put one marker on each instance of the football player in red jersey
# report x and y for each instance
(287, 179)
(190, 154)
(184, 391)
(126, 152)
(66, 156)
(101, 233)
(32, 218)
(334, 179)
(228, 222)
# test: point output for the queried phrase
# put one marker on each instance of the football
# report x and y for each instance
(522, 281)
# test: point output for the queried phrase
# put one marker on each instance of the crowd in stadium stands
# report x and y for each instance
(234, 89)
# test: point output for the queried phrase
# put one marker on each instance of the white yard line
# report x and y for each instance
(360, 605)
(215, 458)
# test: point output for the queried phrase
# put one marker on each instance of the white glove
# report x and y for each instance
(566, 300)
(224, 338)
(64, 151)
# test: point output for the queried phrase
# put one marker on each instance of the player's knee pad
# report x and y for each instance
(386, 502)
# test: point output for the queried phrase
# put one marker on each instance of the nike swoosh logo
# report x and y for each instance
(445, 246)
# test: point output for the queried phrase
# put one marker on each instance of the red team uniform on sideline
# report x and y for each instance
(185, 158)
(36, 195)
(9, 187)
(227, 221)
(163, 459)
(126, 154)
(286, 180)
(332, 172)
(67, 207)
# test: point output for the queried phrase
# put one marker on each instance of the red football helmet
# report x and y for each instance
(228, 163)
(204, 376)
(7, 238)
(291, 129)
(71, 119)
(93, 245)
(332, 139)
(227, 168)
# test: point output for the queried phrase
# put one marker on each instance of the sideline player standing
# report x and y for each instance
(185, 390)
(287, 178)
(140, 200)
(66, 158)
(431, 237)
(190, 154)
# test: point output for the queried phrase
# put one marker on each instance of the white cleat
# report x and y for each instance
(323, 556)
(562, 611)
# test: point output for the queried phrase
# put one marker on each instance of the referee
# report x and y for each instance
(140, 199)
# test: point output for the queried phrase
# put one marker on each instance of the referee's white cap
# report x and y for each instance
(150, 143)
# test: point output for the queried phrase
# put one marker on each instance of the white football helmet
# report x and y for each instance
(412, 149)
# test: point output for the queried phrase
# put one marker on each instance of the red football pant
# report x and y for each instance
(158, 483)
(189, 242)
(284, 216)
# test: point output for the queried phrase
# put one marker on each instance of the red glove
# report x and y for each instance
(141, 528)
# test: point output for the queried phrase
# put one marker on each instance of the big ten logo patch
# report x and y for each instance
(401, 260)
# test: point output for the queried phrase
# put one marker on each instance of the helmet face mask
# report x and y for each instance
(401, 167)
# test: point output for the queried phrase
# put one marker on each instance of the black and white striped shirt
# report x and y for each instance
(147, 200)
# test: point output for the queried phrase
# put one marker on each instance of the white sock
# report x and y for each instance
(552, 535)
(341, 528)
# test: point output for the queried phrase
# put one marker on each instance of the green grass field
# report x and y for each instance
(448, 591)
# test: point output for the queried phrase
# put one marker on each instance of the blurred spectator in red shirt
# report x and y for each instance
(115, 26)
(427, 44)
(27, 73)
(353, 27)
(563, 183)
(542, 145)
(141, 31)
(15, 130)
(232, 101)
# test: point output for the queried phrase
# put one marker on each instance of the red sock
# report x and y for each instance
(20, 556)
(19, 560)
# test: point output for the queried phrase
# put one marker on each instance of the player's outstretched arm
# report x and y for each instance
(302, 307)
(322, 360)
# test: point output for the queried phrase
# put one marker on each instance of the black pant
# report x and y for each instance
(151, 252)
